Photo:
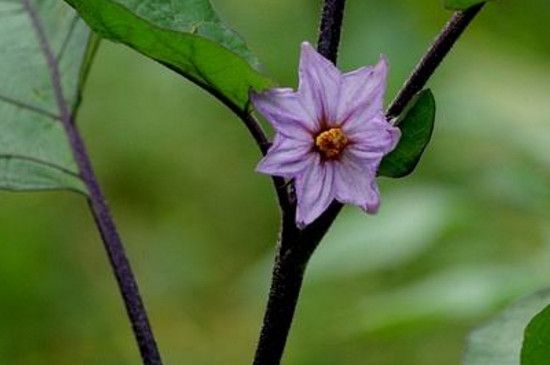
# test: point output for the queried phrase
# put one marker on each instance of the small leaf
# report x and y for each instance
(499, 341)
(416, 125)
(186, 36)
(461, 4)
(34, 151)
(536, 341)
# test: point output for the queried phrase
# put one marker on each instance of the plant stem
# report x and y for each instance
(293, 252)
(295, 246)
(433, 58)
(288, 273)
(117, 257)
(331, 29)
(98, 205)
(263, 143)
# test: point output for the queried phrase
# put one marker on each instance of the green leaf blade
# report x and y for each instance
(416, 125)
(536, 342)
(189, 16)
(187, 36)
(24, 174)
(34, 151)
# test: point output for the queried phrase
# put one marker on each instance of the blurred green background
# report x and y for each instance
(462, 237)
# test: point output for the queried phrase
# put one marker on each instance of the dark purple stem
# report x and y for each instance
(98, 205)
(331, 28)
(295, 246)
(433, 58)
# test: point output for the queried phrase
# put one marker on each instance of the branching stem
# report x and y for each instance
(433, 58)
(295, 246)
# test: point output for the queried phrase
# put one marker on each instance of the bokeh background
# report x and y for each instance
(458, 240)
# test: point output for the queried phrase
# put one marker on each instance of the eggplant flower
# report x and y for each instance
(331, 134)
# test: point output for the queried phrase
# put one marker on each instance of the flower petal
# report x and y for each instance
(362, 93)
(319, 85)
(286, 157)
(283, 110)
(373, 135)
(314, 190)
(355, 183)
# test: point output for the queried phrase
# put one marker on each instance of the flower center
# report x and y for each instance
(331, 142)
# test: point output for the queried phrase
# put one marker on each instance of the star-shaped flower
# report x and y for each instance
(331, 134)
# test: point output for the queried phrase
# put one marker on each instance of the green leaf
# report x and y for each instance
(536, 342)
(499, 341)
(34, 151)
(186, 36)
(416, 125)
(461, 4)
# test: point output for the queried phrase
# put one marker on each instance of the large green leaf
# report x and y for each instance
(499, 341)
(536, 343)
(185, 35)
(34, 152)
(462, 4)
(416, 125)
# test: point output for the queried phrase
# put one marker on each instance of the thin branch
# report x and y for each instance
(433, 58)
(263, 143)
(250, 122)
(91, 49)
(253, 126)
(111, 239)
(279, 183)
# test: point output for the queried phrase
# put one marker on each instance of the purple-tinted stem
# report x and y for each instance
(98, 205)
(331, 29)
(433, 58)
(295, 246)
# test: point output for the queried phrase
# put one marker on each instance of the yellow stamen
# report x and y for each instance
(331, 142)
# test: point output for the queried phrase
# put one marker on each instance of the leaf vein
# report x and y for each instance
(29, 107)
(9, 156)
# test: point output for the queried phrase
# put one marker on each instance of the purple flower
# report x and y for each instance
(331, 134)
